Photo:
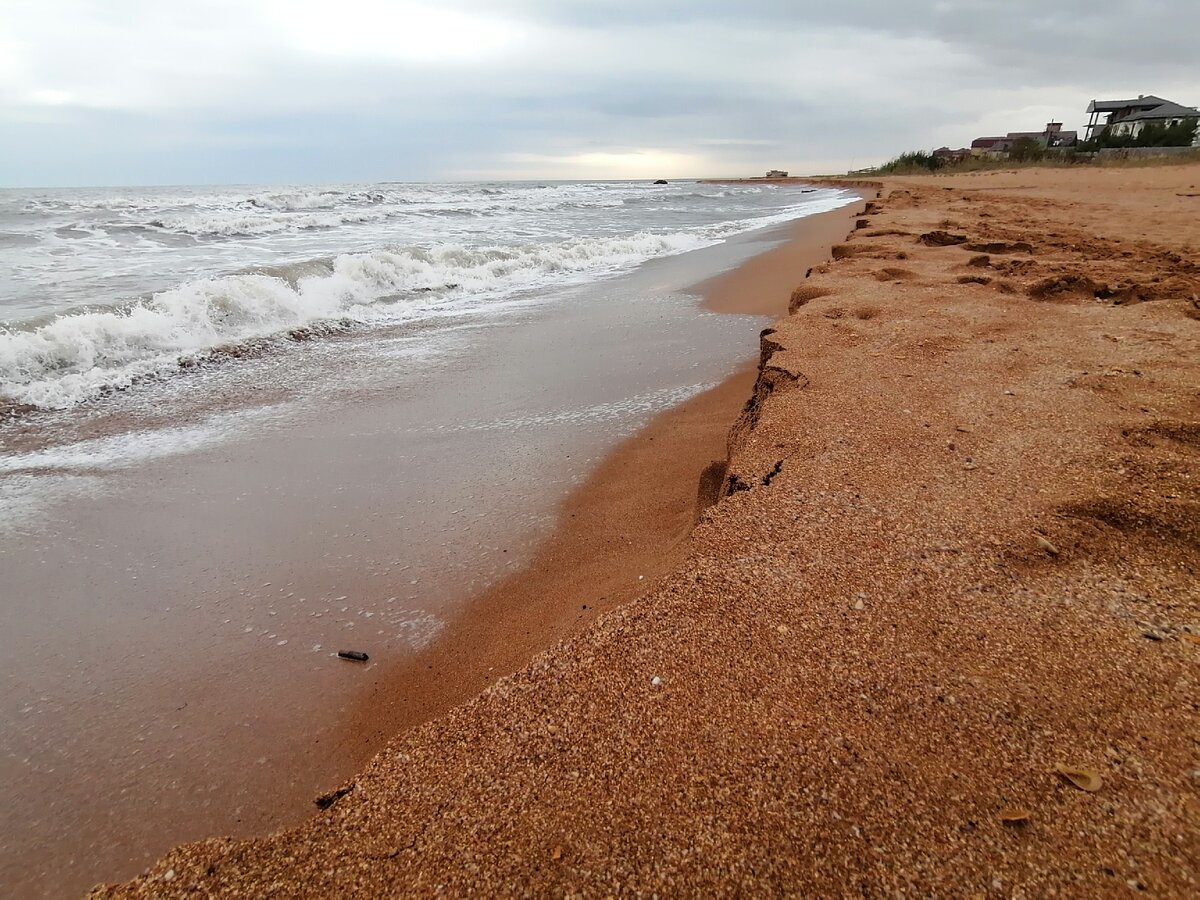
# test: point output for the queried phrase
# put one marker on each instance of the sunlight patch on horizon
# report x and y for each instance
(599, 164)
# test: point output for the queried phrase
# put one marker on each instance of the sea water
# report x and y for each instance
(103, 288)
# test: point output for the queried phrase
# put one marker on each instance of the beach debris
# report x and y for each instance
(1046, 545)
(326, 800)
(941, 239)
(783, 629)
(354, 655)
(1081, 777)
(860, 604)
(557, 852)
(656, 681)
(770, 476)
(169, 875)
(1015, 815)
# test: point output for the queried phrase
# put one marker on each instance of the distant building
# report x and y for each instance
(990, 146)
(1049, 137)
(1131, 116)
(951, 156)
(776, 173)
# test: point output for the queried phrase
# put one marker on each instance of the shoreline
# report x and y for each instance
(501, 420)
(939, 637)
(646, 493)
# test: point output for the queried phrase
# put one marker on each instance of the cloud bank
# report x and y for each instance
(138, 92)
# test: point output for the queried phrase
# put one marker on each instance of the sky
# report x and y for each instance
(119, 92)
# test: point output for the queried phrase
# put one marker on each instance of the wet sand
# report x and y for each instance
(171, 640)
(617, 533)
(939, 637)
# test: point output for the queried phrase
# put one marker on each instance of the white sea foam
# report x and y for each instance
(394, 253)
(613, 413)
(26, 499)
(78, 356)
(32, 483)
(133, 448)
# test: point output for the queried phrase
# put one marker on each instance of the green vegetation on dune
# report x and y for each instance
(1026, 152)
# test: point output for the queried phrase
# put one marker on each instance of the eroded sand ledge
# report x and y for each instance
(957, 548)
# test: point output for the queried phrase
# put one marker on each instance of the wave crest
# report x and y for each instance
(81, 355)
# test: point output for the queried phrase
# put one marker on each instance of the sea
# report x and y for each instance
(243, 428)
(103, 288)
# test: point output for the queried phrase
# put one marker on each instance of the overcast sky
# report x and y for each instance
(221, 91)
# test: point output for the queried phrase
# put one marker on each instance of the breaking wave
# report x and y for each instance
(251, 224)
(82, 354)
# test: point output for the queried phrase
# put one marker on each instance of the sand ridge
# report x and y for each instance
(956, 557)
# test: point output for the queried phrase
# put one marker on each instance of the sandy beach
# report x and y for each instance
(171, 634)
(937, 634)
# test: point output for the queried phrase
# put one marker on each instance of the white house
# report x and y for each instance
(1131, 116)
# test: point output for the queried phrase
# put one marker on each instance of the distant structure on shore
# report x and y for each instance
(1051, 136)
(1143, 127)
(946, 155)
(1131, 117)
(776, 173)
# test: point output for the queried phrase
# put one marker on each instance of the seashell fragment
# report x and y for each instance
(1046, 545)
(1083, 778)
(1015, 815)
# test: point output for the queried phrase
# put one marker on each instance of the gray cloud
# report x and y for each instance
(134, 90)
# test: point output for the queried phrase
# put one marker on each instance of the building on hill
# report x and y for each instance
(1131, 116)
(1049, 137)
(990, 146)
(951, 156)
